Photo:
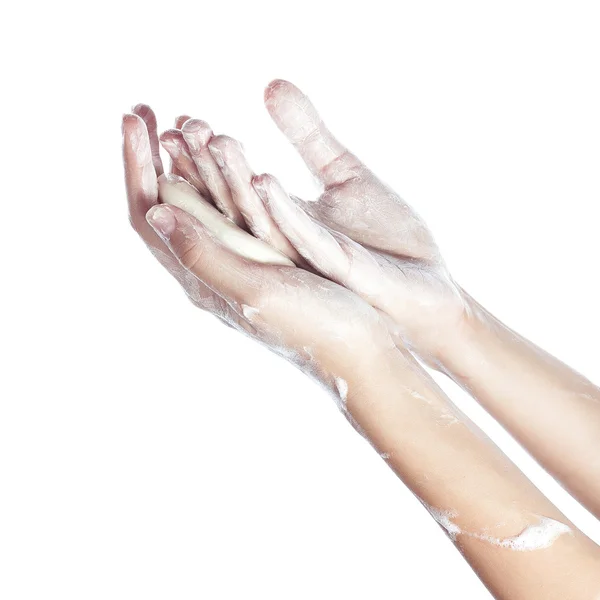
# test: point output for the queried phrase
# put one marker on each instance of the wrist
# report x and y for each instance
(459, 342)
(449, 332)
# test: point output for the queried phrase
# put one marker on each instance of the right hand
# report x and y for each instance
(323, 328)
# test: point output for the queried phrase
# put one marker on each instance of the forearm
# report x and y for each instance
(487, 506)
(550, 408)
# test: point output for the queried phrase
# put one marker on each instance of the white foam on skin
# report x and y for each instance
(341, 386)
(444, 519)
(249, 312)
(534, 537)
(309, 352)
(445, 418)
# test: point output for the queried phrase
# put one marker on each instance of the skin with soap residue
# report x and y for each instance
(362, 235)
(355, 348)
(438, 320)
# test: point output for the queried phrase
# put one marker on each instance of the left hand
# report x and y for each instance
(359, 233)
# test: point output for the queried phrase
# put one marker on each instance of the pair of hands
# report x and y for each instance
(330, 284)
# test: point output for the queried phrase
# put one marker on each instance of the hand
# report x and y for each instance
(359, 233)
(142, 166)
(484, 503)
(326, 330)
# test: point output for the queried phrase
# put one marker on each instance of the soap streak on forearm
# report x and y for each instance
(495, 516)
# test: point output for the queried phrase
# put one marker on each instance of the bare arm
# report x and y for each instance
(519, 544)
(550, 408)
(361, 234)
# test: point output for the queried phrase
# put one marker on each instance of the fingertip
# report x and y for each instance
(221, 147)
(223, 142)
(131, 117)
(162, 219)
(130, 120)
(180, 120)
(196, 133)
(262, 184)
(170, 178)
(275, 87)
(260, 179)
(143, 111)
(197, 127)
(172, 141)
(136, 143)
(170, 134)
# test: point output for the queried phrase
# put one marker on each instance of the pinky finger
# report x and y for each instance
(331, 253)
(309, 238)
(182, 163)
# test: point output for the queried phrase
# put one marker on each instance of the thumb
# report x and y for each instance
(300, 122)
(224, 265)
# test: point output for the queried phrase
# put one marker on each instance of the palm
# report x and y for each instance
(359, 233)
(380, 233)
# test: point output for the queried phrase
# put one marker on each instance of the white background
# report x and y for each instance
(147, 452)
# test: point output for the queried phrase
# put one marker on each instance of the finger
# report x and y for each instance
(140, 176)
(147, 115)
(311, 240)
(142, 194)
(197, 134)
(218, 263)
(333, 255)
(181, 161)
(230, 158)
(179, 121)
(299, 121)
(175, 191)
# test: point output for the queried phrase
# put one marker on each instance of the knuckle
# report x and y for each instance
(190, 257)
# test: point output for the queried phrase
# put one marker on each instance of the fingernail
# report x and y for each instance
(191, 139)
(162, 220)
(169, 145)
(275, 85)
(260, 185)
(197, 134)
(170, 178)
(126, 117)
